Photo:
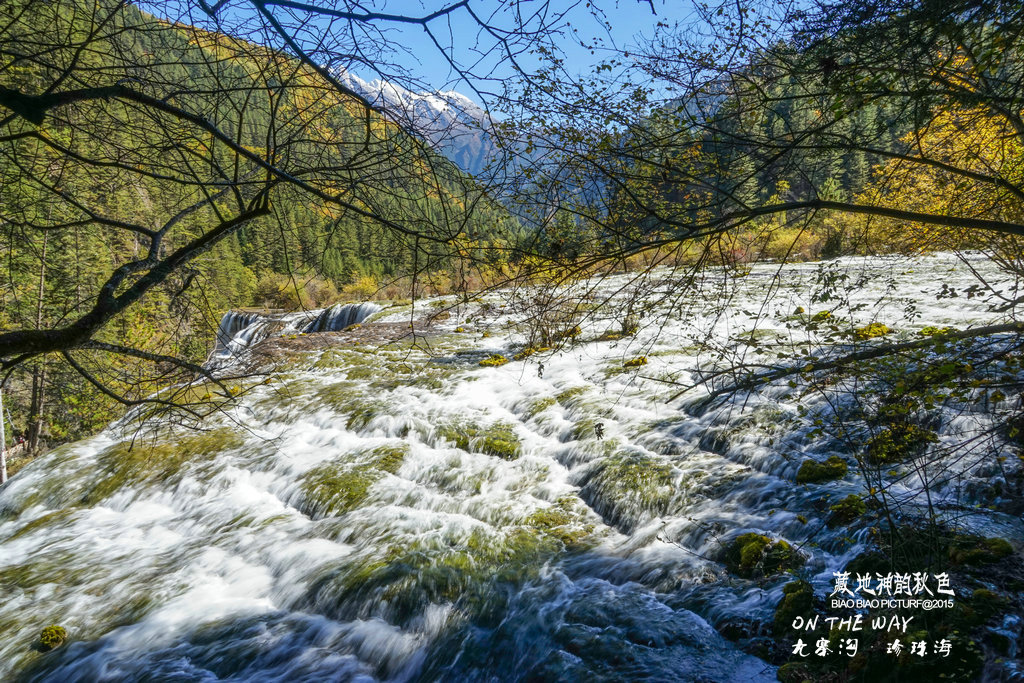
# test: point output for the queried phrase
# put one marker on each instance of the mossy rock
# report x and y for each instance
(51, 637)
(847, 510)
(498, 439)
(389, 458)
(750, 555)
(627, 488)
(562, 521)
(529, 351)
(469, 572)
(334, 489)
(871, 331)
(796, 672)
(538, 406)
(978, 550)
(932, 330)
(493, 361)
(637, 362)
(813, 472)
(128, 463)
(570, 396)
(898, 442)
(338, 487)
(346, 399)
(361, 373)
(584, 429)
(797, 600)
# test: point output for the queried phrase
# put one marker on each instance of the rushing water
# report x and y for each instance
(402, 513)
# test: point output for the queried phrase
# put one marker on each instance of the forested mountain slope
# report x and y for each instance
(204, 170)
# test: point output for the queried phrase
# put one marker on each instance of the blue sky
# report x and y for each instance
(601, 25)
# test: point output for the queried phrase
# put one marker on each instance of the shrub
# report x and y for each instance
(276, 290)
(797, 600)
(52, 636)
(898, 442)
(812, 472)
(871, 331)
(846, 510)
(752, 554)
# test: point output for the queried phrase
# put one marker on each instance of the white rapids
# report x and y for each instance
(403, 513)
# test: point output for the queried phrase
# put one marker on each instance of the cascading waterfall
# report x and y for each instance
(241, 330)
(340, 316)
(391, 515)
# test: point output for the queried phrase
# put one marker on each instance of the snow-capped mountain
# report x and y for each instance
(452, 122)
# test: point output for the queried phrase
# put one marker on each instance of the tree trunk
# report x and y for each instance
(36, 407)
(35, 412)
(3, 441)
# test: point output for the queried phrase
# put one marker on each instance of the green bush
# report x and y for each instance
(797, 600)
(871, 331)
(846, 510)
(751, 554)
(812, 472)
(52, 636)
(898, 442)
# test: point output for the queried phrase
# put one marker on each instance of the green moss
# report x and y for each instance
(978, 550)
(51, 518)
(635, 362)
(335, 358)
(457, 433)
(750, 555)
(498, 439)
(126, 463)
(334, 489)
(347, 400)
(797, 600)
(584, 429)
(796, 672)
(361, 373)
(628, 487)
(493, 361)
(529, 351)
(932, 330)
(898, 442)
(337, 487)
(821, 316)
(470, 572)
(289, 390)
(812, 472)
(871, 331)
(538, 406)
(847, 510)
(389, 458)
(568, 397)
(52, 636)
(562, 521)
